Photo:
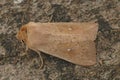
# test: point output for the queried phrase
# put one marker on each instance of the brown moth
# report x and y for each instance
(73, 42)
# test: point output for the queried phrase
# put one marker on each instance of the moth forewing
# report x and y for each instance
(73, 42)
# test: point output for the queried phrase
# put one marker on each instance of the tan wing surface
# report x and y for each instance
(73, 42)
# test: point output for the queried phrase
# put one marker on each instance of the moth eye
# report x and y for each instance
(22, 41)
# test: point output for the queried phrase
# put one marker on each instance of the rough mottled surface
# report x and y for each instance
(16, 66)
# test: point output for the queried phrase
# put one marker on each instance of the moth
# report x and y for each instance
(73, 42)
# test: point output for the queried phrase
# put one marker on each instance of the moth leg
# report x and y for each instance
(26, 49)
(41, 59)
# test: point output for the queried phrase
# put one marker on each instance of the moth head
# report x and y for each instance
(22, 34)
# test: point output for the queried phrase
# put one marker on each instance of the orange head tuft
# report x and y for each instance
(22, 34)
